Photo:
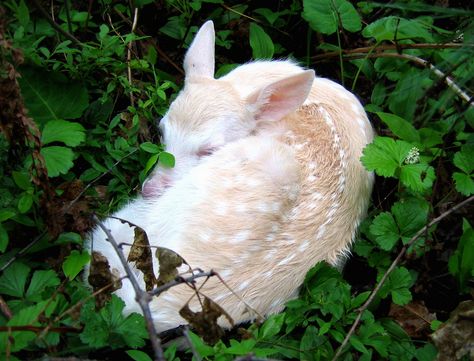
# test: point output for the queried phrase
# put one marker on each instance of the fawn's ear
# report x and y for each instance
(199, 59)
(281, 97)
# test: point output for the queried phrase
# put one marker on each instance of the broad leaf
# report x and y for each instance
(400, 127)
(395, 28)
(386, 231)
(261, 44)
(58, 160)
(74, 263)
(464, 183)
(39, 282)
(325, 16)
(418, 177)
(13, 280)
(51, 96)
(385, 155)
(70, 133)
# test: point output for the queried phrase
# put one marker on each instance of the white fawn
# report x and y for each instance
(267, 183)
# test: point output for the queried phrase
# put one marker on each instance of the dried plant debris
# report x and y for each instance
(204, 322)
(100, 276)
(413, 317)
(455, 338)
(140, 253)
(169, 262)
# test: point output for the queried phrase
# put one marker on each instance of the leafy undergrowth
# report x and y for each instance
(81, 89)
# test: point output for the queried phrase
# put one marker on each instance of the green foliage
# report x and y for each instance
(109, 327)
(95, 104)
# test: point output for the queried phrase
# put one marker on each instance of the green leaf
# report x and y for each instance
(23, 14)
(50, 96)
(324, 15)
(261, 44)
(397, 285)
(418, 177)
(58, 160)
(25, 202)
(385, 155)
(385, 230)
(464, 159)
(167, 159)
(22, 180)
(13, 280)
(69, 237)
(464, 183)
(6, 214)
(39, 282)
(109, 327)
(70, 133)
(411, 215)
(74, 263)
(138, 355)
(150, 147)
(426, 353)
(392, 28)
(272, 326)
(400, 127)
(461, 263)
(357, 344)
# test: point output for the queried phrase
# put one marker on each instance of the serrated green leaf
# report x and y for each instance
(464, 183)
(464, 159)
(400, 127)
(426, 353)
(418, 177)
(411, 215)
(13, 280)
(397, 284)
(58, 160)
(324, 16)
(25, 202)
(74, 263)
(69, 133)
(386, 231)
(39, 282)
(385, 155)
(167, 159)
(261, 44)
(138, 355)
(51, 95)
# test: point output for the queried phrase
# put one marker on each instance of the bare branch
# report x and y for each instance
(142, 297)
(391, 268)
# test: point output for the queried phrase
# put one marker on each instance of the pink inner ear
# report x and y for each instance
(206, 151)
(282, 97)
(155, 186)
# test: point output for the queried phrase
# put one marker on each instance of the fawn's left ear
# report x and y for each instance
(199, 59)
(281, 97)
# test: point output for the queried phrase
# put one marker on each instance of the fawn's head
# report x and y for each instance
(209, 113)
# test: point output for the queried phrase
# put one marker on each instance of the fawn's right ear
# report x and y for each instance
(199, 59)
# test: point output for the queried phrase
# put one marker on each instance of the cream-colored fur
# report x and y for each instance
(280, 186)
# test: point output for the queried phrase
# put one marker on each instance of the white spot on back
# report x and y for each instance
(286, 260)
(311, 178)
(303, 246)
(243, 285)
(241, 236)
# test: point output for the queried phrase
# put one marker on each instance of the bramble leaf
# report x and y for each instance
(464, 183)
(69, 133)
(13, 280)
(385, 155)
(39, 282)
(58, 160)
(386, 231)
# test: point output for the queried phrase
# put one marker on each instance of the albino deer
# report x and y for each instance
(267, 183)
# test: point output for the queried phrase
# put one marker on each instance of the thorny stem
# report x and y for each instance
(142, 297)
(397, 260)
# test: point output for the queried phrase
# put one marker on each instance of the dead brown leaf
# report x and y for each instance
(204, 322)
(100, 276)
(140, 253)
(169, 262)
(414, 318)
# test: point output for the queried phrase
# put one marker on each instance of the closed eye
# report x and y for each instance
(206, 151)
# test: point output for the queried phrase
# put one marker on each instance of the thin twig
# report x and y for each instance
(384, 47)
(158, 49)
(367, 303)
(142, 297)
(55, 25)
(179, 280)
(447, 79)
